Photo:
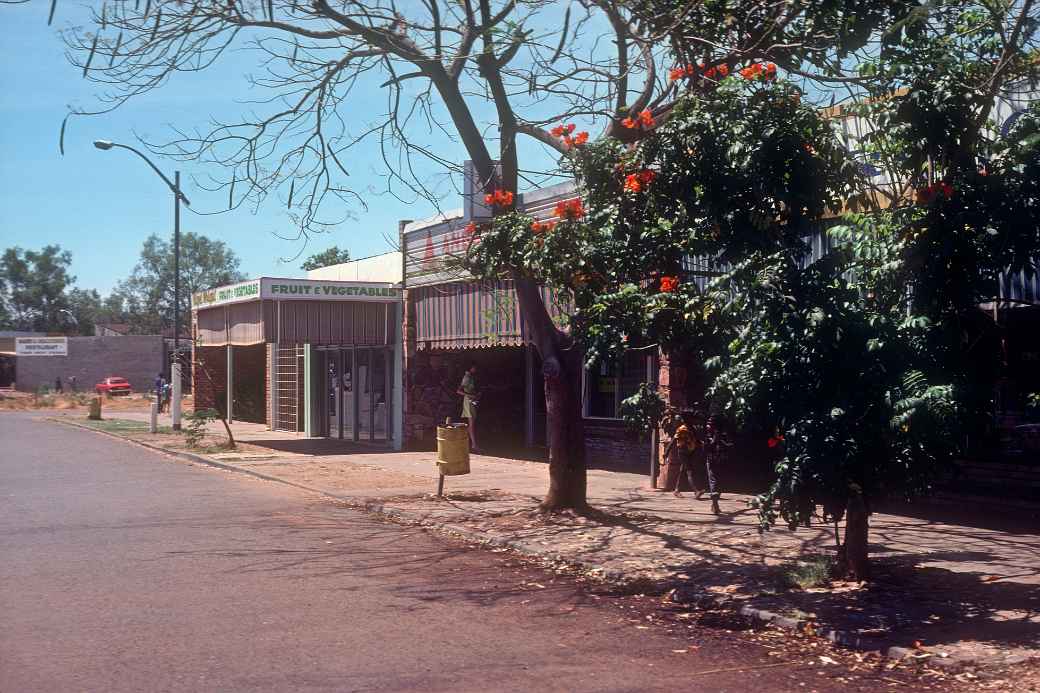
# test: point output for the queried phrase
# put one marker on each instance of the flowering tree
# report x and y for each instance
(855, 369)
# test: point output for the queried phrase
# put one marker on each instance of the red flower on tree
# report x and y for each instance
(569, 209)
(561, 130)
(669, 284)
(926, 195)
(636, 182)
(499, 198)
(775, 440)
(759, 71)
(542, 226)
(644, 119)
(576, 141)
(471, 229)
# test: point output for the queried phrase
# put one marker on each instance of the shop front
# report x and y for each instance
(322, 358)
(454, 322)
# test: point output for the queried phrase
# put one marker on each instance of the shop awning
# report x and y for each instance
(472, 315)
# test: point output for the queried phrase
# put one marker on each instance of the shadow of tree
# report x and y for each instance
(986, 595)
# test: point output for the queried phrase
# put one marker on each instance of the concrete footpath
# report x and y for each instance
(951, 586)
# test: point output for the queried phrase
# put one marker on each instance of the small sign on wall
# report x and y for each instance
(41, 346)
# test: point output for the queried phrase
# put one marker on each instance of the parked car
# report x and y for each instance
(113, 386)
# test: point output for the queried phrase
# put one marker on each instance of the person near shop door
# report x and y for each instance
(470, 397)
(714, 453)
(679, 452)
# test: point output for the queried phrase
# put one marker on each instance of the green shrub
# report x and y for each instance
(195, 432)
(812, 571)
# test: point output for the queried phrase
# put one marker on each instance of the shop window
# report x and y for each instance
(608, 384)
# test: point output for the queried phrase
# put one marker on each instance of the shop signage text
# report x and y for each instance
(329, 290)
(295, 290)
(246, 291)
(41, 346)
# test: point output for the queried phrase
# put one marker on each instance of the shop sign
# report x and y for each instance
(41, 346)
(295, 290)
(243, 291)
(323, 290)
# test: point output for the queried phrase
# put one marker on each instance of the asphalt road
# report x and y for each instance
(126, 570)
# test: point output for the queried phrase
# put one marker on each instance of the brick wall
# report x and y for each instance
(138, 358)
(611, 445)
(269, 354)
(250, 382)
(209, 391)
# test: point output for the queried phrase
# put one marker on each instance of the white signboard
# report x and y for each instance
(41, 346)
(296, 290)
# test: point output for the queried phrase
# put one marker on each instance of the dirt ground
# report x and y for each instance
(24, 401)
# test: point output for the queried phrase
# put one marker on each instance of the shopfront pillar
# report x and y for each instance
(309, 410)
(397, 399)
(230, 381)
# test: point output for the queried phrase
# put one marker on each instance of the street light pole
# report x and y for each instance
(175, 371)
(178, 195)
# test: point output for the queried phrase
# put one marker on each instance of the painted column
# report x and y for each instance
(308, 390)
(397, 410)
(230, 381)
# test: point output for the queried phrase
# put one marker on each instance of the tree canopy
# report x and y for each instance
(147, 295)
(33, 287)
(326, 258)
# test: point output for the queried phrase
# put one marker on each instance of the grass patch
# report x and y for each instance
(123, 426)
(811, 571)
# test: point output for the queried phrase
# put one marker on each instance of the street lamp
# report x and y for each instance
(178, 196)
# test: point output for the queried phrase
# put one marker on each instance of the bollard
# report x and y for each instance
(95, 409)
(175, 394)
(153, 422)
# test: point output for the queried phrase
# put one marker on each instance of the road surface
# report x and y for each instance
(126, 570)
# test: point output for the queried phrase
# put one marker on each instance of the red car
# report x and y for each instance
(113, 386)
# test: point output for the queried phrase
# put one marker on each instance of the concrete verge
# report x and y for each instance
(680, 594)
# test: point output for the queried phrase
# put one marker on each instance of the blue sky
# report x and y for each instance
(101, 205)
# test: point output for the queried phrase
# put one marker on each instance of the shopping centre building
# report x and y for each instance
(317, 357)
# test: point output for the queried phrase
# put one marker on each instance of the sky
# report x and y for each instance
(101, 205)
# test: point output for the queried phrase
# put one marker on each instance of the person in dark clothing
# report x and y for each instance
(713, 450)
(58, 386)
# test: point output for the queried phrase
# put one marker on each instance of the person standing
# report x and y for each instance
(679, 452)
(468, 391)
(72, 383)
(714, 448)
(167, 391)
(57, 385)
(159, 382)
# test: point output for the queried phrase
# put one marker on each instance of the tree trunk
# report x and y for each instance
(855, 562)
(567, 472)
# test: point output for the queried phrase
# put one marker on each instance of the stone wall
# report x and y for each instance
(138, 358)
(432, 378)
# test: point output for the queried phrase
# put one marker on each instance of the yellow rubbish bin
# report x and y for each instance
(453, 449)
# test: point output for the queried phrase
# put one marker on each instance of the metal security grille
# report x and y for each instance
(288, 388)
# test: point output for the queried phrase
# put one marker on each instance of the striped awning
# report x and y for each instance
(471, 315)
